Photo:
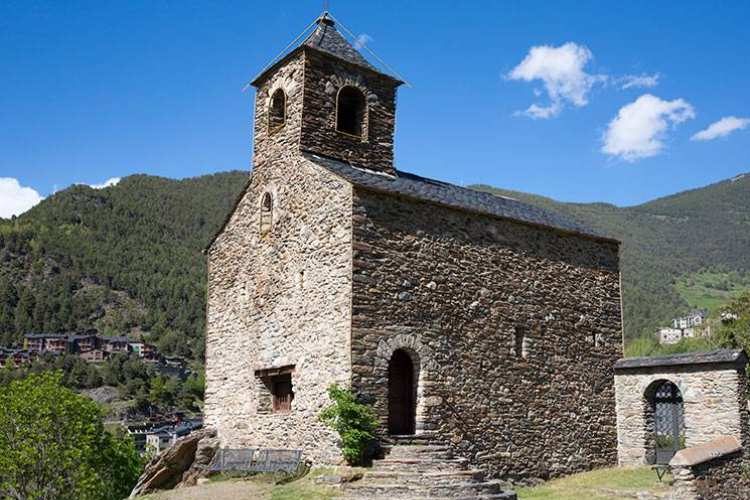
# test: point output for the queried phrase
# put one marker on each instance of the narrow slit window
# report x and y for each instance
(266, 214)
(520, 344)
(350, 111)
(277, 111)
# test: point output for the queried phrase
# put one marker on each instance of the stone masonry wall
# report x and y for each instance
(277, 300)
(713, 400)
(323, 79)
(723, 478)
(280, 143)
(454, 289)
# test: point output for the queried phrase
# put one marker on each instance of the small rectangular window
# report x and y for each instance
(275, 389)
(281, 388)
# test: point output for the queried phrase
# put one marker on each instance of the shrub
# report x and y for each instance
(353, 421)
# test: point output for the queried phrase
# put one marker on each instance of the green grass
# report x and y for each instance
(602, 484)
(254, 486)
(711, 290)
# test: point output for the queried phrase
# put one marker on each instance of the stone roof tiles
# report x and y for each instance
(443, 193)
(718, 356)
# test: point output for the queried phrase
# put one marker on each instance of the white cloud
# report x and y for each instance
(636, 81)
(722, 128)
(112, 181)
(561, 69)
(16, 199)
(639, 128)
(362, 40)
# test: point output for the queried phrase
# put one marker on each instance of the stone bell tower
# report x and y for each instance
(324, 97)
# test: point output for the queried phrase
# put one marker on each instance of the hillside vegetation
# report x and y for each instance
(125, 259)
(128, 258)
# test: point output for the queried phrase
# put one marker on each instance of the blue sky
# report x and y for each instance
(97, 90)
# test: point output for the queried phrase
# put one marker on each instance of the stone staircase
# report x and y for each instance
(415, 468)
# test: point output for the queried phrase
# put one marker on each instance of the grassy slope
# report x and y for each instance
(603, 484)
(259, 487)
(689, 233)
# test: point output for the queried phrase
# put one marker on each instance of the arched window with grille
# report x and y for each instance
(277, 111)
(266, 214)
(351, 111)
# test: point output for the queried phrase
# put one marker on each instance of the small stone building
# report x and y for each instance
(471, 320)
(685, 400)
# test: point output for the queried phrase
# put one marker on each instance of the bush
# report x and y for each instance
(355, 423)
(53, 445)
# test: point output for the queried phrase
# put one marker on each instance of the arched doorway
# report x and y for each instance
(402, 394)
(666, 423)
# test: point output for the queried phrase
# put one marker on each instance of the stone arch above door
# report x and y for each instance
(423, 358)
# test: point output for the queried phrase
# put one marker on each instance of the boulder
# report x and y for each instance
(204, 454)
(166, 470)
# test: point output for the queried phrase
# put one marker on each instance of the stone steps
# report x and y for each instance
(420, 464)
(506, 495)
(400, 451)
(419, 468)
(431, 477)
(377, 489)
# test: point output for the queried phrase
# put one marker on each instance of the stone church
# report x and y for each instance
(468, 319)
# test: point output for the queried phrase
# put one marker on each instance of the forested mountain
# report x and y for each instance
(691, 249)
(128, 258)
(125, 259)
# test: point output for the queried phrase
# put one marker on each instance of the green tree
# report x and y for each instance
(53, 445)
(736, 333)
(353, 421)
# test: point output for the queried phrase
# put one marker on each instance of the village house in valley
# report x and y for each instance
(468, 320)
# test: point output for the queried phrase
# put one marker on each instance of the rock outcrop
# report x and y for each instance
(184, 462)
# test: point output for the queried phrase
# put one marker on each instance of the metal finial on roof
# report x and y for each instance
(325, 18)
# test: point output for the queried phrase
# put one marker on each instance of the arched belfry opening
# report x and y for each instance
(266, 214)
(665, 421)
(277, 111)
(403, 374)
(351, 111)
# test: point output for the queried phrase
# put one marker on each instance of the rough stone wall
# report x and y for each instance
(323, 79)
(280, 299)
(723, 478)
(713, 400)
(283, 142)
(453, 289)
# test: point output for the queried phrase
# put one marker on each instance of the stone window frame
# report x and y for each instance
(266, 379)
(266, 212)
(275, 127)
(365, 120)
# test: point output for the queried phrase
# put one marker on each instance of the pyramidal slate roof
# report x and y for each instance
(414, 186)
(327, 39)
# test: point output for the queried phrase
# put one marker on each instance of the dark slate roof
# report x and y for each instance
(443, 193)
(327, 38)
(46, 336)
(691, 358)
